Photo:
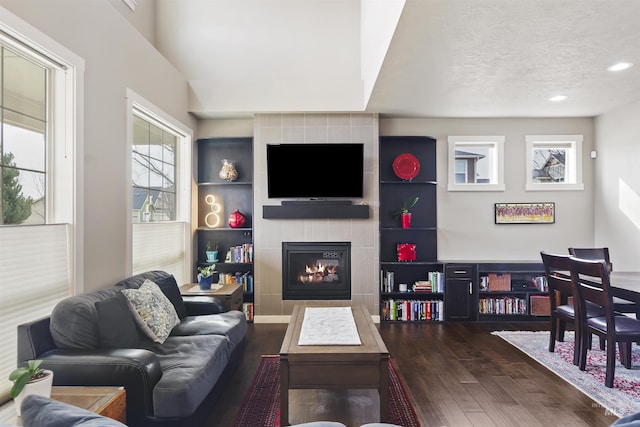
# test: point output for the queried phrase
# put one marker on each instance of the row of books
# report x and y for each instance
(502, 305)
(246, 279)
(247, 308)
(434, 282)
(413, 310)
(541, 283)
(241, 253)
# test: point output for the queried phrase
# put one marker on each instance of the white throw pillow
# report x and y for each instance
(152, 310)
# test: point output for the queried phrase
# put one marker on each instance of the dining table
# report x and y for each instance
(625, 288)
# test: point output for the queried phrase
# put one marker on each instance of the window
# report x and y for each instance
(160, 191)
(153, 172)
(38, 150)
(476, 163)
(23, 140)
(553, 162)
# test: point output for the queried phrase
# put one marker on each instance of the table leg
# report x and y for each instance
(383, 391)
(284, 392)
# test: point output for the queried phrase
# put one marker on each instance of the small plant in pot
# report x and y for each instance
(212, 251)
(30, 379)
(205, 276)
(404, 213)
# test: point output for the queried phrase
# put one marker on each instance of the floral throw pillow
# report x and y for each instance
(152, 310)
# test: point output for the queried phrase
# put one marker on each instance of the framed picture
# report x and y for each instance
(525, 213)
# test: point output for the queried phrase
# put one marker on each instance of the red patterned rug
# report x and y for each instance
(261, 404)
(623, 399)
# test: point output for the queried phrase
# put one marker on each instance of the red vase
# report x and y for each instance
(406, 219)
(236, 219)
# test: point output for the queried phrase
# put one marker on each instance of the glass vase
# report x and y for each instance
(228, 171)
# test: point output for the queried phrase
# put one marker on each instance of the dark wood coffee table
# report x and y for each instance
(364, 366)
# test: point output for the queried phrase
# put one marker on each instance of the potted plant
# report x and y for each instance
(30, 379)
(205, 276)
(404, 213)
(212, 251)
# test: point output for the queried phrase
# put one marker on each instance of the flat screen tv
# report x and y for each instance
(315, 171)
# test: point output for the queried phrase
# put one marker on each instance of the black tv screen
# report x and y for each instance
(310, 171)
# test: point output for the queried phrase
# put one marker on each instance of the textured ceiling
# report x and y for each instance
(446, 58)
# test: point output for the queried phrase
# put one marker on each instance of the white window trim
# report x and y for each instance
(131, 4)
(574, 162)
(60, 273)
(69, 148)
(498, 142)
(183, 162)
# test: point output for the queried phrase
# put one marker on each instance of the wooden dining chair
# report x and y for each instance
(563, 310)
(593, 253)
(591, 278)
(620, 304)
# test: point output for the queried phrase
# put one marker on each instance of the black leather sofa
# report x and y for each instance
(89, 339)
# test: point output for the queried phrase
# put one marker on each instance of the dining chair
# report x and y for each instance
(620, 305)
(591, 278)
(563, 311)
(593, 253)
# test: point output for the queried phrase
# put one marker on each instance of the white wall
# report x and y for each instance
(466, 229)
(116, 57)
(617, 186)
(142, 18)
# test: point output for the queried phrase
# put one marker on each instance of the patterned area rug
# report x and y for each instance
(261, 404)
(621, 400)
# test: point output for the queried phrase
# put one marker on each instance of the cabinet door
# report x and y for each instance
(459, 299)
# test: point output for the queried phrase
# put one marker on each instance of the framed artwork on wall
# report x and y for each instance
(525, 213)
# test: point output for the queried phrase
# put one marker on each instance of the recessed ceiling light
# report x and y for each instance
(558, 98)
(620, 66)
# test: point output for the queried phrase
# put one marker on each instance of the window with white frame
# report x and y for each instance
(476, 163)
(554, 162)
(39, 172)
(160, 191)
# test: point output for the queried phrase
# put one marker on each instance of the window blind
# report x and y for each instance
(34, 267)
(160, 246)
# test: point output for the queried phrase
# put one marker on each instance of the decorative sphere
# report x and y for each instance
(236, 219)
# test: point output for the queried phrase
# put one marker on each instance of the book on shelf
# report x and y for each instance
(247, 308)
(502, 305)
(387, 279)
(413, 310)
(244, 279)
(242, 253)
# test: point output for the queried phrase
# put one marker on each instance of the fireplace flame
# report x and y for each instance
(318, 273)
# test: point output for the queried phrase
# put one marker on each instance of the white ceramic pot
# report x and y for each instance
(41, 387)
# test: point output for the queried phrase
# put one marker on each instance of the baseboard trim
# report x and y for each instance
(271, 319)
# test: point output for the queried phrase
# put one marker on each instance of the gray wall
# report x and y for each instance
(466, 229)
(116, 57)
(617, 186)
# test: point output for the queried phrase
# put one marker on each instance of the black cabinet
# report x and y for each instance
(418, 261)
(218, 199)
(460, 292)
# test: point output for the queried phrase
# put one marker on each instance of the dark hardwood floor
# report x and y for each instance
(457, 374)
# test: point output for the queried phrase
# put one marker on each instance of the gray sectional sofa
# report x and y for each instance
(95, 339)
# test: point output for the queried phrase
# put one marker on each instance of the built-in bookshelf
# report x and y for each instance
(512, 291)
(411, 282)
(218, 199)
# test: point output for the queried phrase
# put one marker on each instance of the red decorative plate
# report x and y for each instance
(406, 166)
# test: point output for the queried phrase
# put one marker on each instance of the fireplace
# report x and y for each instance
(316, 270)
